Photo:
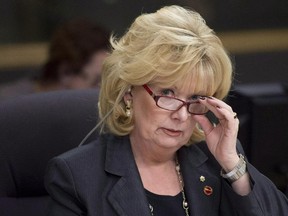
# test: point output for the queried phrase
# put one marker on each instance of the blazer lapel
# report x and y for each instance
(202, 187)
(127, 196)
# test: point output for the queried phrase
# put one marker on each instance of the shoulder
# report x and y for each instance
(89, 159)
(83, 168)
(77, 168)
(91, 154)
(86, 151)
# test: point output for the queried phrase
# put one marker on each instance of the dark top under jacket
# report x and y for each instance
(102, 179)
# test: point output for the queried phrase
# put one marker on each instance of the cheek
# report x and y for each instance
(146, 114)
(143, 111)
(190, 128)
(192, 124)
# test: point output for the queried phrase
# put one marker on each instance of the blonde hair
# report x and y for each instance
(162, 48)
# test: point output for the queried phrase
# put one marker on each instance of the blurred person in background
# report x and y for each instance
(76, 52)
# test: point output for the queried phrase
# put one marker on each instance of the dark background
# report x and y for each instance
(34, 20)
(30, 21)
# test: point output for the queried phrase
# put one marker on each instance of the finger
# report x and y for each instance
(227, 114)
(229, 121)
(215, 106)
(218, 103)
(205, 124)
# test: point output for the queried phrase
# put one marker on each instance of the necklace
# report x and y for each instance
(184, 202)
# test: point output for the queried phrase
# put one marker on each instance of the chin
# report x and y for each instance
(172, 142)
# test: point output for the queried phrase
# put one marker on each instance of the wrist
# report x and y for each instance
(229, 163)
(238, 171)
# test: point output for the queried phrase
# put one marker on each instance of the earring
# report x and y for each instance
(128, 108)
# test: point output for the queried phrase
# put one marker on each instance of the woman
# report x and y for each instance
(160, 80)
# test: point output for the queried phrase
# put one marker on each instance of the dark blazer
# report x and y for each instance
(102, 179)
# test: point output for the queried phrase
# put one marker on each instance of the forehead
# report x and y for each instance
(193, 83)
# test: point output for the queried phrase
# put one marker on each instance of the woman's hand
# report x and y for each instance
(221, 138)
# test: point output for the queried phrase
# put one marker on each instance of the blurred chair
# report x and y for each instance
(262, 110)
(33, 129)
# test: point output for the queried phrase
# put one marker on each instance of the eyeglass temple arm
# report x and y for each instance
(148, 90)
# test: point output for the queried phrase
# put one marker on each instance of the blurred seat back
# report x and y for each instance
(33, 129)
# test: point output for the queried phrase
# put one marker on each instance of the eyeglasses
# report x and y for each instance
(172, 104)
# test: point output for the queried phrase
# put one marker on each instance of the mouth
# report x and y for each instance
(172, 132)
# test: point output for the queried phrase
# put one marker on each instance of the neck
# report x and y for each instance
(156, 167)
(181, 186)
(159, 177)
(150, 154)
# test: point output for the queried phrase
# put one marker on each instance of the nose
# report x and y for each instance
(182, 113)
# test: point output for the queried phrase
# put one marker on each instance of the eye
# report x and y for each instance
(167, 92)
(195, 97)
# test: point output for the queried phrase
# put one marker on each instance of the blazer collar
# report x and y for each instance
(127, 196)
(199, 177)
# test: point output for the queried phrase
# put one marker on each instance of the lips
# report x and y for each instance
(172, 132)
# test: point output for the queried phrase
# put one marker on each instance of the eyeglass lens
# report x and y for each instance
(173, 104)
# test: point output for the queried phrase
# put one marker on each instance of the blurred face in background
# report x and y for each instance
(92, 70)
(90, 75)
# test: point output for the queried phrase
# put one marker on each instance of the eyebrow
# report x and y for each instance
(176, 89)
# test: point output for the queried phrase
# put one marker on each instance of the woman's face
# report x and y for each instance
(156, 126)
